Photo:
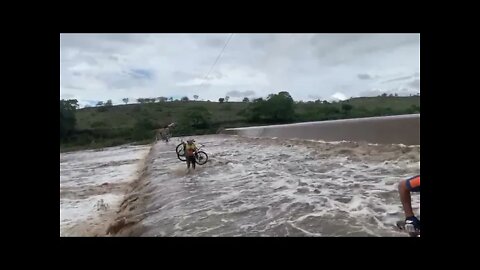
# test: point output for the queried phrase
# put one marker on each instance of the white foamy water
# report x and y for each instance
(273, 187)
(92, 184)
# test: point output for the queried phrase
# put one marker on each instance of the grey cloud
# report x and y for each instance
(398, 79)
(364, 77)
(334, 49)
(261, 41)
(67, 96)
(121, 83)
(105, 43)
(123, 80)
(400, 91)
(140, 73)
(370, 93)
(326, 46)
(236, 93)
(219, 75)
(183, 76)
(114, 58)
(327, 40)
(90, 60)
(215, 42)
(314, 97)
(124, 38)
(305, 63)
(71, 86)
(82, 39)
(415, 84)
(212, 76)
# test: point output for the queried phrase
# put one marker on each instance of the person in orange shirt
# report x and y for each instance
(190, 152)
(405, 187)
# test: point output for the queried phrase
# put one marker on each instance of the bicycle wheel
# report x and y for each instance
(201, 158)
(180, 151)
(182, 158)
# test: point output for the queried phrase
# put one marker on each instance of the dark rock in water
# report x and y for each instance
(300, 183)
(316, 191)
(281, 188)
(345, 151)
(302, 190)
(344, 199)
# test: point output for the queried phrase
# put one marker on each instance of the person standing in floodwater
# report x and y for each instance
(405, 187)
(190, 150)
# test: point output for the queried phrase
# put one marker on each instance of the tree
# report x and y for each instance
(141, 100)
(396, 95)
(325, 102)
(185, 99)
(171, 99)
(125, 100)
(71, 103)
(221, 100)
(195, 97)
(196, 117)
(347, 108)
(245, 99)
(67, 118)
(384, 94)
(285, 94)
(100, 103)
(108, 103)
(278, 108)
(143, 129)
(413, 109)
(162, 99)
(227, 98)
(227, 107)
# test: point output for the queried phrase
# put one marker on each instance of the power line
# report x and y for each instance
(218, 57)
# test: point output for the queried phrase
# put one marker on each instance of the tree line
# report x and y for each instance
(279, 108)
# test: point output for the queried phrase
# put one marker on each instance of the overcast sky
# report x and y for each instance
(96, 67)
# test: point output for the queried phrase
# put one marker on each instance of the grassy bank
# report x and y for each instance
(98, 127)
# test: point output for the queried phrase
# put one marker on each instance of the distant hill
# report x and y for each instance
(113, 125)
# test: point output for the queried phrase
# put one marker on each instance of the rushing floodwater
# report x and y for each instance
(270, 187)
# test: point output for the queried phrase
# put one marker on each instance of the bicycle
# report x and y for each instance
(200, 157)
(164, 135)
